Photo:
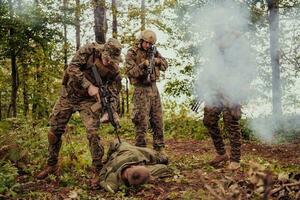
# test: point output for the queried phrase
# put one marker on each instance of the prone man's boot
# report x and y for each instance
(218, 160)
(49, 170)
(162, 155)
(95, 178)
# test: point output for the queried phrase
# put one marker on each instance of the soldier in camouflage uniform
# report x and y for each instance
(79, 93)
(131, 165)
(231, 116)
(146, 98)
(231, 111)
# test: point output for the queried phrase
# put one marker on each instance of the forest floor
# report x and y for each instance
(267, 171)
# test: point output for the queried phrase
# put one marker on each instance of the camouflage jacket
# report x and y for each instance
(79, 76)
(123, 155)
(135, 72)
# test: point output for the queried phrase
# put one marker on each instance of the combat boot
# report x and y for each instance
(95, 178)
(55, 170)
(233, 166)
(218, 160)
(162, 155)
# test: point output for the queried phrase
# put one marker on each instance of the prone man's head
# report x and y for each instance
(137, 175)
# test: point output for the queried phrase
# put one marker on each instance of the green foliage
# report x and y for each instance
(8, 174)
(181, 125)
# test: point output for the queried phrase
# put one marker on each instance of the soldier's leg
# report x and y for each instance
(59, 118)
(231, 121)
(156, 122)
(91, 122)
(210, 121)
(141, 110)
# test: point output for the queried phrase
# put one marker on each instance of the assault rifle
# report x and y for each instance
(105, 98)
(151, 52)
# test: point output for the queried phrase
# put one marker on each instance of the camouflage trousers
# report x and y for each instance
(61, 114)
(147, 107)
(231, 117)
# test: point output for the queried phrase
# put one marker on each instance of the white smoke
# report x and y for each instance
(229, 63)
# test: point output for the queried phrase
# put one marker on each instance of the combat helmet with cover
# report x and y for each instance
(148, 36)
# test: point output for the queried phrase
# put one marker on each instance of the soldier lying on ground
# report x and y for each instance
(131, 166)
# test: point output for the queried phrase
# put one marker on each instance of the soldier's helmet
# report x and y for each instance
(148, 36)
(112, 49)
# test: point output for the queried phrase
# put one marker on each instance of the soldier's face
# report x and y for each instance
(146, 45)
(105, 61)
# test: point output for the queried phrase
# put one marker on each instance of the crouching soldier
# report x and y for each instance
(79, 93)
(131, 166)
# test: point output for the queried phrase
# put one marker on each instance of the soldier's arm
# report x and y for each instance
(77, 63)
(161, 62)
(133, 70)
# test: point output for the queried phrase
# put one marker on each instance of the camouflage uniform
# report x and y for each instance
(146, 98)
(74, 97)
(231, 116)
(124, 155)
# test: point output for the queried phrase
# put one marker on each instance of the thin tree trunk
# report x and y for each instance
(14, 71)
(274, 51)
(143, 15)
(65, 5)
(25, 94)
(0, 105)
(77, 23)
(100, 21)
(114, 15)
(127, 96)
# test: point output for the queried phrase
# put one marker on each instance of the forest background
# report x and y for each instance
(39, 37)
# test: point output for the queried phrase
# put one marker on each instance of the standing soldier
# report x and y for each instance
(231, 116)
(79, 93)
(143, 66)
(221, 103)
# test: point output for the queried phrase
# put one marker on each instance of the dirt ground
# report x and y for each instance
(193, 177)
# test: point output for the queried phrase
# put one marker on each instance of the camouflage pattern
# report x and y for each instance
(124, 155)
(231, 116)
(146, 98)
(74, 97)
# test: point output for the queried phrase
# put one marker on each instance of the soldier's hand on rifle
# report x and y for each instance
(145, 63)
(94, 91)
(157, 61)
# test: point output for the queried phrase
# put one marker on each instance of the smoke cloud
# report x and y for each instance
(228, 64)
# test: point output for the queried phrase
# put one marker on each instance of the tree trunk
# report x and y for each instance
(25, 94)
(114, 22)
(77, 23)
(127, 96)
(65, 5)
(274, 51)
(143, 15)
(0, 105)
(14, 71)
(100, 21)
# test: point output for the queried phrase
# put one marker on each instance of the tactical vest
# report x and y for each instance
(142, 55)
(107, 73)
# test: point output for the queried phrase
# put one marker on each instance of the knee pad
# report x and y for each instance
(52, 138)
